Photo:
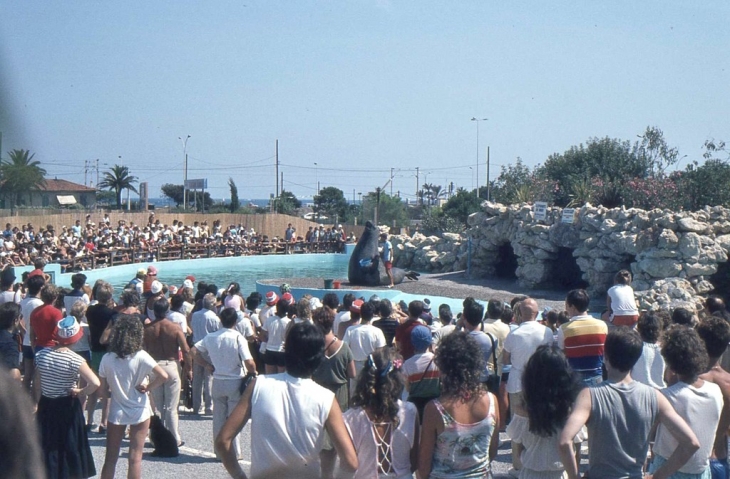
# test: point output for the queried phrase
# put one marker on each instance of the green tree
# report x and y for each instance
(655, 152)
(706, 184)
(461, 205)
(331, 202)
(287, 204)
(235, 204)
(118, 179)
(391, 210)
(174, 192)
(20, 174)
(605, 163)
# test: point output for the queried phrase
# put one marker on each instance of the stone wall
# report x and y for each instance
(672, 255)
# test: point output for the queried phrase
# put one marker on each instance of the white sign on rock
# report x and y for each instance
(568, 215)
(540, 210)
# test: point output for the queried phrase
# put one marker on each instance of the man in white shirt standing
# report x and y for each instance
(363, 339)
(202, 323)
(519, 346)
(225, 354)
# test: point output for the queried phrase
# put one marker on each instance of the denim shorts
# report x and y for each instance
(719, 468)
(659, 461)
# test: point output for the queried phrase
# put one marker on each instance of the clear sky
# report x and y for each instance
(357, 87)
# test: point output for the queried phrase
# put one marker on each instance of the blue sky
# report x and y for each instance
(357, 87)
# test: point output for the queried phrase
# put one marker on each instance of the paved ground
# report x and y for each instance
(197, 460)
(455, 285)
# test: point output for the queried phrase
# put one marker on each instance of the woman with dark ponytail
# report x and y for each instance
(549, 389)
(384, 429)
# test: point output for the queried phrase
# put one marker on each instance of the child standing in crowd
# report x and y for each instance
(384, 429)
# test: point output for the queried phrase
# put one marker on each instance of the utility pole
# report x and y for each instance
(185, 173)
(97, 173)
(488, 188)
(276, 153)
(86, 170)
(391, 181)
(417, 198)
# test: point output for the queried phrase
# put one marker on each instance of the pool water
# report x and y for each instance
(245, 270)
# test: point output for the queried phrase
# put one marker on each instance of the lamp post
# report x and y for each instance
(185, 174)
(478, 120)
(316, 175)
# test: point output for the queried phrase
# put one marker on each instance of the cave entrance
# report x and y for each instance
(566, 272)
(721, 281)
(506, 266)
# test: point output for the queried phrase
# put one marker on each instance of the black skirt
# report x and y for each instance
(65, 444)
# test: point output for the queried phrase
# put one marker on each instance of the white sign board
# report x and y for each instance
(568, 215)
(540, 210)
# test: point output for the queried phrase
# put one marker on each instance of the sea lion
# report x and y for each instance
(366, 268)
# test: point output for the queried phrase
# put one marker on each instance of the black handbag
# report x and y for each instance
(246, 379)
(494, 378)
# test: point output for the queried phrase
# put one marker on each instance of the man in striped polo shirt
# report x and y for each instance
(583, 338)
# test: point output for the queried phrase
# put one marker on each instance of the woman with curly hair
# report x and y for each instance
(384, 429)
(460, 435)
(697, 401)
(548, 391)
(123, 372)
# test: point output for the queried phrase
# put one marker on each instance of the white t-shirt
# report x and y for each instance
(288, 415)
(623, 302)
(128, 406)
(363, 339)
(9, 297)
(649, 369)
(227, 351)
(276, 327)
(27, 306)
(401, 441)
(701, 408)
(179, 319)
(521, 344)
(69, 300)
(244, 325)
(342, 316)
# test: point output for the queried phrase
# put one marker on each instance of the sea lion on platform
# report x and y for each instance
(366, 268)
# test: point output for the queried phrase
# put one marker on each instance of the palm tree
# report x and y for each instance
(437, 192)
(20, 175)
(118, 179)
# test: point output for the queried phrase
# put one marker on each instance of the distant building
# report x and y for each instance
(59, 193)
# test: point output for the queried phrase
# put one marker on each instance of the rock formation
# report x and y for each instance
(674, 256)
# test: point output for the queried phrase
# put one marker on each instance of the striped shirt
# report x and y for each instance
(59, 370)
(422, 382)
(583, 339)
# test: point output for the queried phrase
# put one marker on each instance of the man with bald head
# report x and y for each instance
(519, 346)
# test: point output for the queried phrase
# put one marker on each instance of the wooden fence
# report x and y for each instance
(266, 224)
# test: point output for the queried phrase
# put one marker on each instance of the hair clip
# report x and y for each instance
(388, 368)
(371, 363)
(397, 363)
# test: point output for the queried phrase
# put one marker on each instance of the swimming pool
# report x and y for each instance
(249, 271)
(245, 270)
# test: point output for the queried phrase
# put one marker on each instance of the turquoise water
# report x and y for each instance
(245, 270)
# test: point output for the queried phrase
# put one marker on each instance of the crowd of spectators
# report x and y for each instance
(91, 245)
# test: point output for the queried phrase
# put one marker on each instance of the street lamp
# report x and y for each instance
(478, 120)
(185, 174)
(316, 175)
(471, 172)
